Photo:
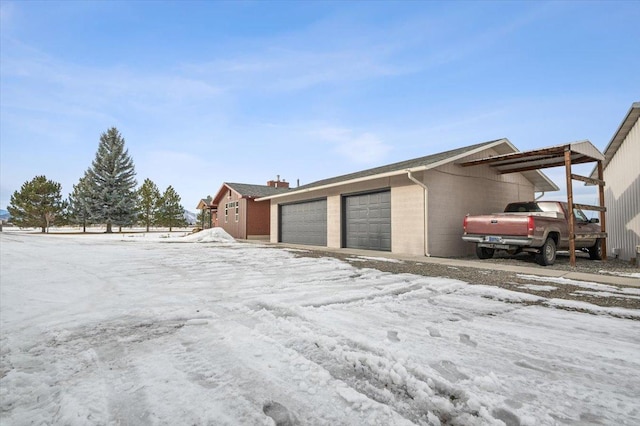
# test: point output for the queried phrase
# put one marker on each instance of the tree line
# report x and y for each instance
(106, 194)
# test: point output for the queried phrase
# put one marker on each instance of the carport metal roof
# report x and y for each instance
(554, 156)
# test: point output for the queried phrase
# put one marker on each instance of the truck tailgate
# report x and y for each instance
(498, 224)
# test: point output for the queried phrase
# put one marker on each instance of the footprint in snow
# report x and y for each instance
(506, 416)
(393, 336)
(434, 332)
(279, 413)
(464, 338)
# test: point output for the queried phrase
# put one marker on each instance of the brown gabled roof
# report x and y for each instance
(246, 190)
(204, 203)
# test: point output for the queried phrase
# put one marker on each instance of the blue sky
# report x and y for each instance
(208, 92)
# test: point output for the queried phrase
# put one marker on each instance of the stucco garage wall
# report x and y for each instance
(407, 216)
(455, 191)
(334, 221)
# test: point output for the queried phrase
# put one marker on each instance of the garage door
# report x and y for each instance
(368, 221)
(304, 223)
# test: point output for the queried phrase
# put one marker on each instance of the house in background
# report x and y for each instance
(207, 213)
(621, 173)
(238, 213)
(412, 207)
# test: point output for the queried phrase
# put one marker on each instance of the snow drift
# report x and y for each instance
(212, 235)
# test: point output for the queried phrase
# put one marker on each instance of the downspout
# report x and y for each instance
(539, 196)
(426, 216)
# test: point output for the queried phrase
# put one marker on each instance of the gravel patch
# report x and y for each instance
(606, 296)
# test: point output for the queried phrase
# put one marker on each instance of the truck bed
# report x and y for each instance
(512, 224)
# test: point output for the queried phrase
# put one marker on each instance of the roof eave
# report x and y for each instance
(219, 194)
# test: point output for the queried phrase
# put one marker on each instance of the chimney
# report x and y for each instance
(278, 183)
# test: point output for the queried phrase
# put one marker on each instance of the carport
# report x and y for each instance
(555, 156)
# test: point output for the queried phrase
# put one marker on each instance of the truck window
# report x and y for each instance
(522, 208)
(550, 206)
(579, 215)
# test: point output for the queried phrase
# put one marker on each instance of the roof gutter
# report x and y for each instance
(426, 211)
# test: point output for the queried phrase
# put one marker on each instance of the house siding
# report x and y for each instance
(622, 196)
(257, 217)
(235, 229)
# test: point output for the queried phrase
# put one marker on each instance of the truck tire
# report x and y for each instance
(595, 251)
(484, 252)
(547, 255)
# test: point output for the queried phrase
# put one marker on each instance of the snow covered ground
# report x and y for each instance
(163, 329)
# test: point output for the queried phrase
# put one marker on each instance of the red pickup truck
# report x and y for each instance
(536, 227)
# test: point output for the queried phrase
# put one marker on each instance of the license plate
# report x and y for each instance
(494, 239)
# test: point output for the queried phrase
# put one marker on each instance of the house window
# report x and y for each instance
(237, 211)
(226, 212)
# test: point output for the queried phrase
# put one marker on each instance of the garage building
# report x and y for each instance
(412, 207)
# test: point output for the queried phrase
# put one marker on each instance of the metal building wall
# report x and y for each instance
(622, 197)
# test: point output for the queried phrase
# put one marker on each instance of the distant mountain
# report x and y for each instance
(4, 215)
(190, 217)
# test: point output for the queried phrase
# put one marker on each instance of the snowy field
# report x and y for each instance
(163, 329)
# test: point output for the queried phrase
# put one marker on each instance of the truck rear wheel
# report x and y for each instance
(484, 252)
(547, 255)
(595, 251)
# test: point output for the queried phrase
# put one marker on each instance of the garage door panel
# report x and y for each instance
(304, 223)
(368, 221)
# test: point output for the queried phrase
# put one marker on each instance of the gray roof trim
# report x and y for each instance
(247, 190)
(402, 167)
(619, 136)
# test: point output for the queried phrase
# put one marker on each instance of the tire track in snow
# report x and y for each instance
(422, 395)
(371, 297)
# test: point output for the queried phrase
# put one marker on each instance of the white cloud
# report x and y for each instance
(363, 148)
(278, 69)
(35, 81)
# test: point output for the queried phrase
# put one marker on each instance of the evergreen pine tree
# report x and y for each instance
(171, 211)
(204, 218)
(38, 203)
(79, 204)
(149, 201)
(112, 182)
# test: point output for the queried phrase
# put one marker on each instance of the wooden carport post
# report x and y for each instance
(572, 221)
(603, 216)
